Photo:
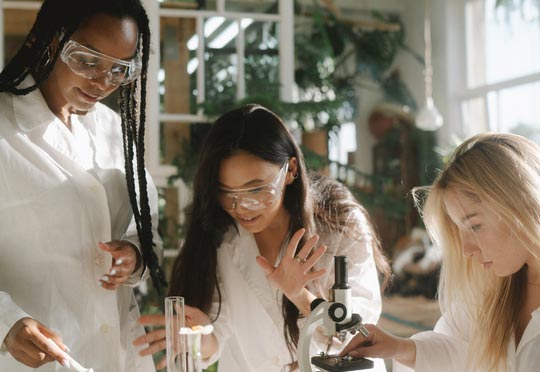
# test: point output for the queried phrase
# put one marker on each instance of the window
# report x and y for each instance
(502, 91)
(212, 57)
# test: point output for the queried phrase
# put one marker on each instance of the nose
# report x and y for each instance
(469, 244)
(103, 81)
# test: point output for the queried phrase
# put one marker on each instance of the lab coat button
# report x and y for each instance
(99, 260)
(94, 188)
(104, 328)
(275, 360)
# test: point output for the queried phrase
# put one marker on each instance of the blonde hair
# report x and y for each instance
(503, 172)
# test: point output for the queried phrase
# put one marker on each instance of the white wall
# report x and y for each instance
(447, 28)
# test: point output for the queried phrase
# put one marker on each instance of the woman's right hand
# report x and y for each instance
(26, 341)
(380, 344)
(156, 338)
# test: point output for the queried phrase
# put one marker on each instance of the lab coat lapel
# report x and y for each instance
(39, 123)
(244, 254)
(531, 331)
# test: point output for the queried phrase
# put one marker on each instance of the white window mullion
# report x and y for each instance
(286, 49)
(2, 51)
(240, 54)
(220, 6)
(201, 93)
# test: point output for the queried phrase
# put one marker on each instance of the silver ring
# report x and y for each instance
(300, 259)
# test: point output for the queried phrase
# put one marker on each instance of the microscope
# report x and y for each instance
(336, 319)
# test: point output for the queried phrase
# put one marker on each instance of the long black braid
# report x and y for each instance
(56, 21)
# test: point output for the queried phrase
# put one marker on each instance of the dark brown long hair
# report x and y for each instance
(336, 208)
(56, 21)
(257, 130)
(310, 202)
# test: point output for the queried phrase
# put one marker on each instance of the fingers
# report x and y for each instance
(53, 349)
(317, 254)
(265, 265)
(124, 263)
(306, 249)
(155, 319)
(154, 348)
(293, 243)
(162, 363)
(155, 340)
(27, 341)
(359, 341)
(316, 274)
(194, 316)
(150, 337)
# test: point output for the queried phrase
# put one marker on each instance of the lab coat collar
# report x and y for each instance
(531, 331)
(31, 110)
(244, 253)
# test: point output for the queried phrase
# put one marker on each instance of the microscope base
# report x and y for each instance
(338, 364)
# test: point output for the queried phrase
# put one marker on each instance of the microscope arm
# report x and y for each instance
(314, 320)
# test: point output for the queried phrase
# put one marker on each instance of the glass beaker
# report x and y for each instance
(193, 342)
(194, 352)
(174, 320)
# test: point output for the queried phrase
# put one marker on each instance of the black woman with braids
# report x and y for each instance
(76, 230)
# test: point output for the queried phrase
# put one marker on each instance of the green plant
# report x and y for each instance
(335, 58)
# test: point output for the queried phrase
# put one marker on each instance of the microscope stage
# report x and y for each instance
(337, 364)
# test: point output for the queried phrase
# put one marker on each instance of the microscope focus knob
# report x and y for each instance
(337, 312)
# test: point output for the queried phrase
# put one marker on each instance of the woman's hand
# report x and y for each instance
(26, 341)
(380, 344)
(126, 260)
(156, 338)
(293, 273)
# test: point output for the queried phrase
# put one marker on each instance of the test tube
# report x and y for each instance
(174, 320)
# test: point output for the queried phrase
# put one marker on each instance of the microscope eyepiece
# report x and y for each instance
(341, 277)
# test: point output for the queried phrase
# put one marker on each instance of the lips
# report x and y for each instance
(90, 97)
(247, 220)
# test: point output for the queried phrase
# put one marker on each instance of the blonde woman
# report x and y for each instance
(483, 210)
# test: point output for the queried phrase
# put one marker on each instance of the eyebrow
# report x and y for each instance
(253, 183)
(468, 216)
(90, 46)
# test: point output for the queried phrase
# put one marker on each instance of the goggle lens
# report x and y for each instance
(253, 201)
(256, 198)
(92, 65)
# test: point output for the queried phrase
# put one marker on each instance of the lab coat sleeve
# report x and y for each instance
(132, 236)
(444, 349)
(223, 328)
(10, 313)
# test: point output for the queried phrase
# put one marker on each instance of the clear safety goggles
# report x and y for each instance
(254, 198)
(93, 65)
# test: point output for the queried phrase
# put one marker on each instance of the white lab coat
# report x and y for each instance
(250, 326)
(445, 348)
(61, 192)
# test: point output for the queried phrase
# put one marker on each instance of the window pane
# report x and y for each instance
(259, 6)
(502, 43)
(474, 116)
(177, 80)
(187, 4)
(261, 64)
(221, 68)
(519, 110)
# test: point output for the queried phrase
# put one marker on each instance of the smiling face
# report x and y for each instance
(67, 92)
(246, 171)
(485, 236)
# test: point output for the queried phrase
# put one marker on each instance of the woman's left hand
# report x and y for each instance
(294, 272)
(126, 260)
